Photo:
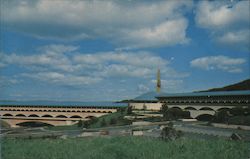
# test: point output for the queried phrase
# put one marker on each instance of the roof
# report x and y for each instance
(192, 94)
(150, 96)
(63, 104)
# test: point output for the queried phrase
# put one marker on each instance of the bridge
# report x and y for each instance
(16, 114)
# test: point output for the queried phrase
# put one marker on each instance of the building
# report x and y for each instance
(54, 113)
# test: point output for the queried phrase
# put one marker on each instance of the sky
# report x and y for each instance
(67, 50)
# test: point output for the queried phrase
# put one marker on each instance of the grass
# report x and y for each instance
(122, 148)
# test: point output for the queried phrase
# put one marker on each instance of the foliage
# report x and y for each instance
(122, 148)
(80, 123)
(222, 116)
(173, 113)
(240, 120)
(237, 115)
(103, 122)
(112, 121)
(129, 110)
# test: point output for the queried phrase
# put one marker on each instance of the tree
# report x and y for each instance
(87, 124)
(164, 110)
(103, 122)
(222, 116)
(113, 121)
(237, 111)
(80, 123)
(129, 110)
(169, 133)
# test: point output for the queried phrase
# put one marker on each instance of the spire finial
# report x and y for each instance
(158, 82)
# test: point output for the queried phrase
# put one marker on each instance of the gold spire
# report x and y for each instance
(158, 82)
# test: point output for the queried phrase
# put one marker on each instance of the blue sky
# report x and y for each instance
(110, 50)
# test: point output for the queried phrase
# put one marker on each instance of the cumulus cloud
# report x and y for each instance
(224, 63)
(62, 79)
(142, 88)
(170, 85)
(143, 24)
(242, 36)
(227, 21)
(65, 65)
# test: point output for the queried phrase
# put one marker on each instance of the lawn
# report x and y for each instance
(123, 148)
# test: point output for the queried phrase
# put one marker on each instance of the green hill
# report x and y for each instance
(243, 85)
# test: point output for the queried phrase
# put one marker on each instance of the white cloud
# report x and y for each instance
(170, 85)
(64, 64)
(142, 88)
(228, 22)
(222, 14)
(62, 79)
(242, 36)
(143, 24)
(224, 63)
(167, 33)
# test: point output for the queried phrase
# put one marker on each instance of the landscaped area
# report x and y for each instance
(123, 148)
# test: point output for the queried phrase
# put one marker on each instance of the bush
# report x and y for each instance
(103, 122)
(113, 121)
(169, 133)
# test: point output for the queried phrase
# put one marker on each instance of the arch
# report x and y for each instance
(90, 117)
(7, 115)
(47, 116)
(175, 108)
(34, 124)
(61, 116)
(75, 116)
(109, 112)
(78, 111)
(104, 112)
(223, 109)
(33, 115)
(205, 117)
(206, 108)
(190, 108)
(21, 115)
(83, 111)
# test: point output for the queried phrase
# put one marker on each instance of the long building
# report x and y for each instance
(199, 104)
(54, 113)
(206, 103)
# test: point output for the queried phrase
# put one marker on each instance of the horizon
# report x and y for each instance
(86, 51)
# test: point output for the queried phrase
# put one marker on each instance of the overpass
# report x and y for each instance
(54, 113)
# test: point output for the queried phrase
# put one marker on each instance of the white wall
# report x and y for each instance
(149, 106)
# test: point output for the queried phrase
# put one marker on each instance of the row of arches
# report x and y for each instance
(203, 108)
(57, 110)
(209, 101)
(43, 116)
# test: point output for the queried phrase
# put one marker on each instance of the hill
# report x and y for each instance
(243, 85)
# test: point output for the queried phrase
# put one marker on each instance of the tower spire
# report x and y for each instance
(158, 82)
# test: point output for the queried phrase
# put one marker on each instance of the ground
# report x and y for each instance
(123, 148)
